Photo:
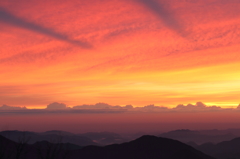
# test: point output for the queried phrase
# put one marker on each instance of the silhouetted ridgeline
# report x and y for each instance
(222, 150)
(201, 136)
(85, 139)
(221, 144)
(40, 150)
(145, 147)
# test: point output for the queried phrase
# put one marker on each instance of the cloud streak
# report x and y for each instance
(10, 19)
(164, 15)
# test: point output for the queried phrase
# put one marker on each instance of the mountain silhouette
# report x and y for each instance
(50, 136)
(104, 138)
(84, 139)
(4, 147)
(40, 150)
(13, 150)
(145, 147)
(63, 146)
(223, 150)
(199, 137)
(57, 132)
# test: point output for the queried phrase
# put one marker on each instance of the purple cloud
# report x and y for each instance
(164, 15)
(10, 19)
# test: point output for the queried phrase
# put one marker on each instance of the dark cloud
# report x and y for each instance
(128, 107)
(56, 105)
(198, 107)
(10, 19)
(7, 107)
(102, 108)
(164, 15)
(151, 108)
(97, 106)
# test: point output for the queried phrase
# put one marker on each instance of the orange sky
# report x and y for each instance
(119, 52)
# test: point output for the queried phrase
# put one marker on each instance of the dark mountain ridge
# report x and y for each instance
(223, 150)
(201, 136)
(50, 136)
(85, 139)
(145, 147)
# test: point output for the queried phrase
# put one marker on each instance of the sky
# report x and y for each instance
(120, 52)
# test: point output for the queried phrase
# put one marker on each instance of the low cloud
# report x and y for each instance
(151, 108)
(7, 107)
(56, 105)
(97, 106)
(10, 19)
(107, 108)
(199, 107)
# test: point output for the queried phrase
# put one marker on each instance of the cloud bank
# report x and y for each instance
(7, 107)
(56, 105)
(106, 108)
(10, 19)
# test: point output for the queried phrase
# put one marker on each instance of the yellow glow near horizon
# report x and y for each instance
(137, 57)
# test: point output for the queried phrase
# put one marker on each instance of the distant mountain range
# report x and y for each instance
(193, 138)
(90, 138)
(202, 136)
(221, 144)
(223, 150)
(145, 147)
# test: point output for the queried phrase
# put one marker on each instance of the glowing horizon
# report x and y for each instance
(136, 52)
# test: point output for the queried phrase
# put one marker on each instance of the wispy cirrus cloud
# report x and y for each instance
(164, 15)
(13, 20)
(38, 56)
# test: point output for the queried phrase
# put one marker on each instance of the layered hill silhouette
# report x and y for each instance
(5, 147)
(40, 150)
(85, 139)
(104, 138)
(191, 137)
(145, 147)
(50, 136)
(223, 150)
(201, 136)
